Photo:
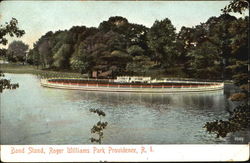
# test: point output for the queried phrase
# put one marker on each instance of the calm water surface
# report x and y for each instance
(33, 114)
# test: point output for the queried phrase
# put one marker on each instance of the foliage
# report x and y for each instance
(99, 127)
(239, 119)
(77, 63)
(86, 50)
(3, 53)
(140, 65)
(17, 51)
(216, 34)
(6, 84)
(10, 29)
(205, 61)
(116, 24)
(161, 40)
(236, 6)
(118, 47)
(30, 69)
(79, 60)
(61, 57)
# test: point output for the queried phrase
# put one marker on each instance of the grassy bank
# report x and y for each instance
(28, 69)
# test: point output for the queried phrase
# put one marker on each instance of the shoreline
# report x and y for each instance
(30, 69)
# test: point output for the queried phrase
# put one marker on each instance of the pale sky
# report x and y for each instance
(39, 17)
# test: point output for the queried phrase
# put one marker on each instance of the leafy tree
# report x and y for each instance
(205, 61)
(34, 56)
(99, 127)
(117, 24)
(49, 51)
(91, 49)
(45, 54)
(185, 43)
(137, 35)
(17, 51)
(236, 6)
(135, 50)
(80, 60)
(220, 36)
(215, 32)
(62, 56)
(3, 52)
(140, 65)
(239, 41)
(239, 119)
(77, 63)
(6, 84)
(240, 69)
(116, 61)
(41, 54)
(100, 49)
(10, 29)
(105, 50)
(161, 40)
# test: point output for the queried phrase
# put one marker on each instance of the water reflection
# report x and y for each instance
(37, 115)
(177, 99)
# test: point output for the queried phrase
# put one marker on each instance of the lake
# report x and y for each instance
(33, 114)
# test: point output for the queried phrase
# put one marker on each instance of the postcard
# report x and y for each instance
(91, 81)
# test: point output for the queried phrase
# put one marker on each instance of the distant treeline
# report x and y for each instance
(117, 47)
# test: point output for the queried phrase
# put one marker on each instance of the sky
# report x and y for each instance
(39, 17)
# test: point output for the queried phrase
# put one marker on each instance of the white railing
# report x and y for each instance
(45, 82)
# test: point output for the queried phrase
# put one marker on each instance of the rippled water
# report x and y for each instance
(33, 114)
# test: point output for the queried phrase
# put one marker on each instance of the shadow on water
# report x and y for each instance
(118, 97)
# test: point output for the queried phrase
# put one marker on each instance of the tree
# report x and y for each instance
(219, 35)
(3, 52)
(61, 57)
(34, 56)
(137, 35)
(106, 52)
(236, 6)
(79, 64)
(205, 61)
(239, 42)
(6, 84)
(216, 33)
(135, 50)
(45, 54)
(80, 60)
(116, 62)
(17, 51)
(99, 49)
(99, 127)
(140, 65)
(116, 23)
(161, 41)
(185, 43)
(83, 49)
(11, 29)
(239, 118)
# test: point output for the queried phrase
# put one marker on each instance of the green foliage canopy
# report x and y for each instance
(17, 51)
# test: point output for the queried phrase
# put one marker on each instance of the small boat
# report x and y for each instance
(132, 84)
